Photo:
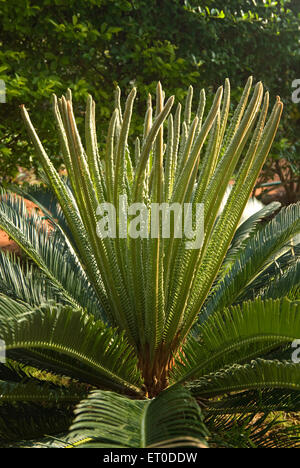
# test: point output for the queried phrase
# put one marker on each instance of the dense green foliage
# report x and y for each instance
(143, 333)
(49, 45)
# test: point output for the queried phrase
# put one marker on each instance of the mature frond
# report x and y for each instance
(239, 334)
(259, 374)
(251, 431)
(247, 229)
(173, 419)
(29, 421)
(84, 348)
(255, 401)
(51, 253)
(259, 253)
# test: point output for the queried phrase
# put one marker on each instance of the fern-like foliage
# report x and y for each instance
(152, 343)
(172, 419)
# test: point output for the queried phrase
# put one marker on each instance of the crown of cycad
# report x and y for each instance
(153, 288)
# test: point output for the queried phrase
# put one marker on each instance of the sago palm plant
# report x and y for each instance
(154, 340)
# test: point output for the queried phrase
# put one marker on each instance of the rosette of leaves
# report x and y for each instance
(153, 344)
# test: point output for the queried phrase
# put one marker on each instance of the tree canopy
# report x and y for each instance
(93, 45)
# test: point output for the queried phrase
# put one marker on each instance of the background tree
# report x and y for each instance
(92, 45)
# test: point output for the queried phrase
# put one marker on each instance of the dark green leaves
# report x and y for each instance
(239, 334)
(71, 343)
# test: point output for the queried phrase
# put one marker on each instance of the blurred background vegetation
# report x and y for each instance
(91, 46)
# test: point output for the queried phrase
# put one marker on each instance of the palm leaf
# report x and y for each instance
(239, 334)
(28, 421)
(39, 393)
(22, 281)
(111, 420)
(259, 253)
(284, 283)
(256, 401)
(259, 374)
(50, 252)
(250, 431)
(247, 229)
(102, 357)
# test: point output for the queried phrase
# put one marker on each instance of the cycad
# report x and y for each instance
(144, 333)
